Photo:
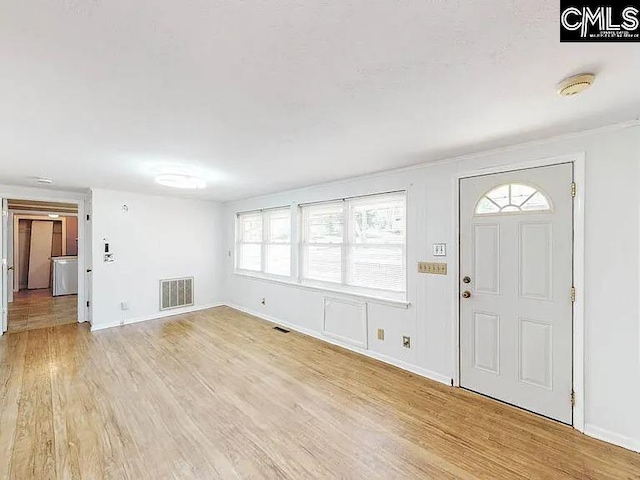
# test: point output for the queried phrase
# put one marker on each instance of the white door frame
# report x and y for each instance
(29, 193)
(578, 161)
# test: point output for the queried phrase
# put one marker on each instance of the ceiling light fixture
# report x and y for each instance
(44, 181)
(53, 215)
(175, 180)
(576, 84)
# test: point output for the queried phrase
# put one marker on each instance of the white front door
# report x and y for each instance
(516, 271)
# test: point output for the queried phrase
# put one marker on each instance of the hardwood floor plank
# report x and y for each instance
(33, 453)
(220, 394)
(12, 359)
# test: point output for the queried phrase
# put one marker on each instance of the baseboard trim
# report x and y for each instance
(611, 437)
(155, 316)
(367, 353)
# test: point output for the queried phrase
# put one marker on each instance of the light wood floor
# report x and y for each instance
(32, 309)
(219, 394)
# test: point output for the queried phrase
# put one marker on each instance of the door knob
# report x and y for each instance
(466, 294)
(10, 268)
(466, 280)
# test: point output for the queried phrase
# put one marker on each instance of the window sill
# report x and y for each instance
(369, 298)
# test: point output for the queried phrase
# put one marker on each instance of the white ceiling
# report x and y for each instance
(264, 95)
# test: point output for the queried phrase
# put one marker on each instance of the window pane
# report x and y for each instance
(280, 226)
(520, 193)
(250, 227)
(323, 223)
(500, 195)
(250, 257)
(279, 259)
(376, 266)
(323, 263)
(536, 202)
(379, 220)
(486, 206)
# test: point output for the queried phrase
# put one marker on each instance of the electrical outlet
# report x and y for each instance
(432, 268)
(381, 334)
(124, 305)
(406, 342)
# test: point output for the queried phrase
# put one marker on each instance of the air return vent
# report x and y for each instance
(176, 292)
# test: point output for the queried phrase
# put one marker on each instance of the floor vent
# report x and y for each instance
(281, 330)
(176, 292)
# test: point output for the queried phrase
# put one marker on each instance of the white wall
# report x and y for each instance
(612, 239)
(157, 238)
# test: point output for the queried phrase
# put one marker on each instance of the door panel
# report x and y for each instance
(40, 254)
(486, 254)
(486, 341)
(535, 255)
(535, 352)
(516, 235)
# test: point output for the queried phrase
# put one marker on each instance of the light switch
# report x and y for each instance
(439, 249)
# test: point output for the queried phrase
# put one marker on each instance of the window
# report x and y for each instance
(513, 198)
(264, 242)
(358, 243)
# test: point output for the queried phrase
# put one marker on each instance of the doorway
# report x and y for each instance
(42, 260)
(516, 288)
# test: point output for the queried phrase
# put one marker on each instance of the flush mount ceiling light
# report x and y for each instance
(176, 180)
(44, 181)
(576, 84)
(53, 215)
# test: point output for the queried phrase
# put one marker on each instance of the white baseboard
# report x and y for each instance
(368, 353)
(611, 437)
(155, 316)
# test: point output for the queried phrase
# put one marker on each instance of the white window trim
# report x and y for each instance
(383, 297)
(263, 244)
(343, 286)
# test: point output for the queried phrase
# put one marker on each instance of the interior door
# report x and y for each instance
(40, 254)
(3, 275)
(10, 259)
(516, 258)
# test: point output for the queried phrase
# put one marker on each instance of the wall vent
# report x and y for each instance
(176, 292)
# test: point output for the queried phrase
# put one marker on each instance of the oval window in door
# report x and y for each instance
(512, 198)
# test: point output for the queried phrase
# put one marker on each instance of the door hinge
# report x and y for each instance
(573, 189)
(87, 303)
(573, 398)
(573, 294)
(88, 217)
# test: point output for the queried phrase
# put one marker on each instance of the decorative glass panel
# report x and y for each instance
(512, 198)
